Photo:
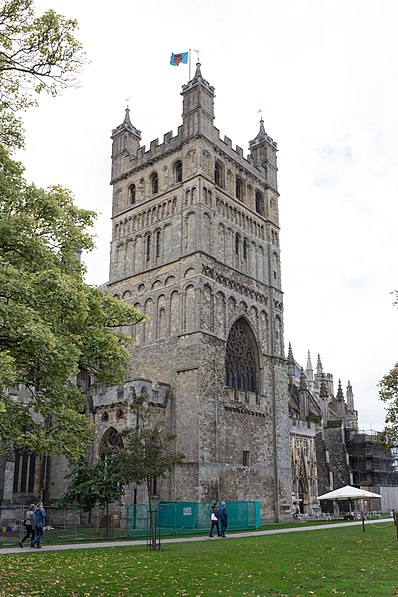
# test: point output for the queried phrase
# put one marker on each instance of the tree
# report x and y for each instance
(148, 454)
(52, 324)
(93, 485)
(388, 394)
(36, 54)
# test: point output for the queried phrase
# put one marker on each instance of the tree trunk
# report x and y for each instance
(108, 523)
(152, 519)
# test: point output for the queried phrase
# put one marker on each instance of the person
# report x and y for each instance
(223, 518)
(29, 525)
(214, 520)
(40, 521)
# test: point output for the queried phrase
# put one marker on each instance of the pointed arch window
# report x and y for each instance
(240, 367)
(158, 239)
(239, 189)
(154, 183)
(111, 440)
(148, 247)
(259, 203)
(218, 175)
(132, 194)
(178, 171)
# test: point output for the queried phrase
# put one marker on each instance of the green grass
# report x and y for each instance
(336, 561)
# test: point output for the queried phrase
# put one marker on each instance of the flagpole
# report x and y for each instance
(189, 64)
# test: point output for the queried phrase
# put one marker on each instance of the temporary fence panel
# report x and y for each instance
(190, 517)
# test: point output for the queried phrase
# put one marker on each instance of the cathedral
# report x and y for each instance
(196, 248)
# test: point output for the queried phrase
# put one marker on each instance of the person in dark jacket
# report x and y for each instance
(223, 518)
(214, 520)
(29, 525)
(40, 523)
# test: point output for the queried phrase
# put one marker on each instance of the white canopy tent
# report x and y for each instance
(348, 493)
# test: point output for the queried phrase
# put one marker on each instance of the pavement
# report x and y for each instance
(132, 543)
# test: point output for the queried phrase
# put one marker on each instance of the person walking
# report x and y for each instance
(214, 520)
(223, 518)
(29, 525)
(40, 521)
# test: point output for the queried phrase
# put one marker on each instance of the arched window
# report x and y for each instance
(237, 243)
(259, 203)
(238, 189)
(111, 440)
(240, 368)
(104, 417)
(132, 194)
(245, 249)
(218, 175)
(148, 247)
(158, 243)
(178, 171)
(154, 183)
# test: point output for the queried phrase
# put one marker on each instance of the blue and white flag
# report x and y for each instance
(176, 59)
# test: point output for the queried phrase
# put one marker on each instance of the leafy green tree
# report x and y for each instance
(93, 485)
(389, 395)
(37, 53)
(52, 324)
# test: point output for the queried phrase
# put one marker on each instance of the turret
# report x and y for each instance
(263, 152)
(352, 414)
(303, 396)
(125, 143)
(290, 365)
(309, 372)
(340, 403)
(198, 106)
(324, 400)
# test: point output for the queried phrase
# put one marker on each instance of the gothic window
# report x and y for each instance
(158, 243)
(239, 189)
(237, 242)
(119, 414)
(246, 458)
(259, 203)
(218, 175)
(178, 171)
(132, 193)
(154, 183)
(105, 417)
(111, 440)
(24, 471)
(245, 249)
(240, 368)
(148, 247)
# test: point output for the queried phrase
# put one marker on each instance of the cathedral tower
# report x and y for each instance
(195, 246)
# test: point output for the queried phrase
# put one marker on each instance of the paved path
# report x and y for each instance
(133, 543)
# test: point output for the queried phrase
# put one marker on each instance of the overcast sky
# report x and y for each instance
(325, 74)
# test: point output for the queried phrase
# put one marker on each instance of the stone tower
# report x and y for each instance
(195, 246)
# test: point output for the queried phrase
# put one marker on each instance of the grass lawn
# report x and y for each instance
(337, 561)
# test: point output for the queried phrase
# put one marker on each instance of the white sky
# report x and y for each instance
(325, 73)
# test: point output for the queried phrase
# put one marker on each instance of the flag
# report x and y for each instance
(176, 59)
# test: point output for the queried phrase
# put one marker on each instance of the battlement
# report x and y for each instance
(109, 396)
(170, 144)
